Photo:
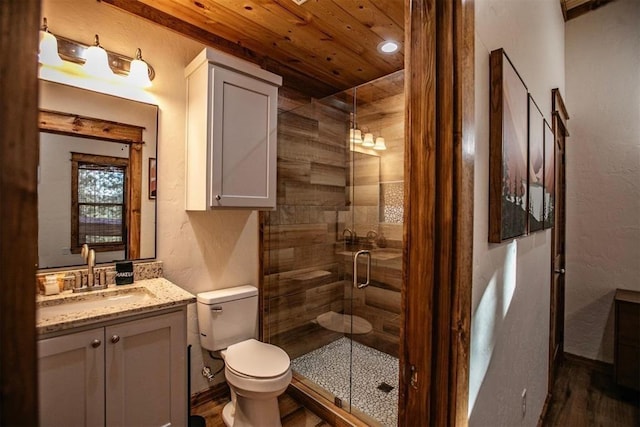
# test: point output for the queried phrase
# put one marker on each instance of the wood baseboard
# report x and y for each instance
(545, 408)
(321, 407)
(596, 365)
(217, 392)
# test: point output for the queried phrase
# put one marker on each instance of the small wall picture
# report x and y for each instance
(508, 174)
(549, 176)
(153, 178)
(536, 193)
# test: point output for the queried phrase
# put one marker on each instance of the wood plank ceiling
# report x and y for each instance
(321, 46)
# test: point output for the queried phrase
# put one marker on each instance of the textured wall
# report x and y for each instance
(510, 323)
(201, 251)
(603, 172)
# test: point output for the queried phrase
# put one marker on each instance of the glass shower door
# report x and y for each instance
(333, 247)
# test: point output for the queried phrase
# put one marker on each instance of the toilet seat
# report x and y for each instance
(258, 360)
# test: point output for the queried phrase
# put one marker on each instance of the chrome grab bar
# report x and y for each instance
(355, 269)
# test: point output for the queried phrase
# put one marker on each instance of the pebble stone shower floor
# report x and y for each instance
(329, 367)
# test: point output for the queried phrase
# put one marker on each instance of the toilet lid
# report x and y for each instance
(257, 359)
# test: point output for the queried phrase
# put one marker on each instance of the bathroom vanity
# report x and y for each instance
(114, 357)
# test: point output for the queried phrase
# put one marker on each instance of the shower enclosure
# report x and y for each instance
(333, 247)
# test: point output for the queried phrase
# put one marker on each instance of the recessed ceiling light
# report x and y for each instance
(388, 46)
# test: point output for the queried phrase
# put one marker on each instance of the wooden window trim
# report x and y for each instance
(88, 127)
(76, 159)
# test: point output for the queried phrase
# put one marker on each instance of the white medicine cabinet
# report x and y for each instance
(231, 154)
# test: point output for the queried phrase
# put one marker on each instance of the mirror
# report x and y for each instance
(97, 177)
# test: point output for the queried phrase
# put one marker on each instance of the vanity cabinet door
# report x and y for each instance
(71, 379)
(146, 372)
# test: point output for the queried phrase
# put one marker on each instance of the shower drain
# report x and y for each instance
(385, 387)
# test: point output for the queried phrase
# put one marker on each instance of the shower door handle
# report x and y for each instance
(355, 269)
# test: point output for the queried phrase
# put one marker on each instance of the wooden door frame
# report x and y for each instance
(560, 132)
(438, 225)
(19, 219)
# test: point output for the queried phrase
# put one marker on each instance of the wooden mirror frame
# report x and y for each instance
(105, 130)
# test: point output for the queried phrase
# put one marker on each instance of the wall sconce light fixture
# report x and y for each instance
(368, 140)
(48, 54)
(380, 145)
(139, 71)
(355, 135)
(95, 60)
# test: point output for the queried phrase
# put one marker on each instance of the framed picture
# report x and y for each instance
(153, 178)
(549, 176)
(508, 175)
(536, 192)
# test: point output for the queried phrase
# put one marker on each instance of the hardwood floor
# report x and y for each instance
(585, 394)
(293, 413)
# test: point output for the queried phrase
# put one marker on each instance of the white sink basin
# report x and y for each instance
(99, 300)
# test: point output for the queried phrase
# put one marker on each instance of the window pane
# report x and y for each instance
(100, 184)
(100, 224)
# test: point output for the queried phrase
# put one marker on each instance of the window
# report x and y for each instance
(98, 202)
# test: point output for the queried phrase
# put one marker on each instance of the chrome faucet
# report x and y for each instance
(352, 235)
(89, 256)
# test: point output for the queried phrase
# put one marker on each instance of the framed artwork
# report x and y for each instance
(549, 176)
(153, 178)
(508, 175)
(536, 193)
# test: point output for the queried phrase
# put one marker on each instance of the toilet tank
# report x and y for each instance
(227, 316)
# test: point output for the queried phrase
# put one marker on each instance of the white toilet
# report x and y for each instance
(256, 372)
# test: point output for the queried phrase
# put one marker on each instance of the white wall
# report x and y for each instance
(200, 251)
(510, 323)
(603, 172)
(54, 197)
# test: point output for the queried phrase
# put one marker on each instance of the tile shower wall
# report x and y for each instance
(306, 270)
(301, 277)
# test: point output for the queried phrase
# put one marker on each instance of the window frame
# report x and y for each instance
(81, 158)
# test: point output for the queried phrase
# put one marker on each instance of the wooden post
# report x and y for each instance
(18, 204)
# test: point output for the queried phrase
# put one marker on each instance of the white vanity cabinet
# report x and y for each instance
(131, 373)
(232, 108)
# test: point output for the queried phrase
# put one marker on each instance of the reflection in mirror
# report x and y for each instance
(94, 181)
(364, 189)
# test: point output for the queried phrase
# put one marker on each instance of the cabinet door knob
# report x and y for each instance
(96, 343)
(560, 271)
(115, 339)
(218, 197)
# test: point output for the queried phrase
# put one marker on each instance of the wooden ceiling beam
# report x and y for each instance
(583, 8)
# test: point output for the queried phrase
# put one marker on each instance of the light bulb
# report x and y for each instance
(97, 62)
(139, 72)
(48, 53)
(368, 140)
(380, 145)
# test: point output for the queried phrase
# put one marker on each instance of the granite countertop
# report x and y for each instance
(68, 310)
